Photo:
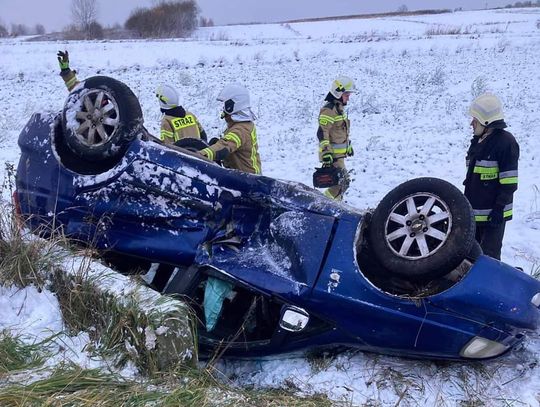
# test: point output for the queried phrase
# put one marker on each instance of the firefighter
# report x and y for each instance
(238, 147)
(176, 123)
(333, 133)
(69, 76)
(492, 172)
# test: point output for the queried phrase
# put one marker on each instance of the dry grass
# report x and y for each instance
(16, 355)
(24, 259)
(120, 328)
(72, 386)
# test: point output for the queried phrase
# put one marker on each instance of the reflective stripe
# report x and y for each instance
(340, 118)
(323, 145)
(254, 151)
(340, 145)
(209, 153)
(233, 137)
(481, 212)
(324, 120)
(487, 163)
(486, 170)
(482, 215)
(340, 148)
(508, 174)
(509, 181)
(71, 82)
(481, 218)
(508, 177)
(165, 133)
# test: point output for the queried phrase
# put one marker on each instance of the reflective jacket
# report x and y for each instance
(70, 78)
(178, 123)
(492, 173)
(333, 132)
(238, 148)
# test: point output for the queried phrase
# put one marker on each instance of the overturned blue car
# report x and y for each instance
(295, 270)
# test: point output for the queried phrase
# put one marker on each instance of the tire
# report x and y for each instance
(422, 229)
(100, 119)
(191, 144)
(476, 251)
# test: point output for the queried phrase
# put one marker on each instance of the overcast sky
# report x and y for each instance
(55, 14)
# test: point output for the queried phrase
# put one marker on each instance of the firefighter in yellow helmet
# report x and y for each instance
(333, 133)
(238, 148)
(176, 123)
(492, 172)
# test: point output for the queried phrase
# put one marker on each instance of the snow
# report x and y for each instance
(409, 119)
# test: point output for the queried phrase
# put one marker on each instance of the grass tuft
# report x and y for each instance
(120, 328)
(23, 259)
(16, 355)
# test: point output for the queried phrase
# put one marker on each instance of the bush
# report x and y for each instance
(39, 29)
(19, 29)
(3, 31)
(94, 31)
(167, 19)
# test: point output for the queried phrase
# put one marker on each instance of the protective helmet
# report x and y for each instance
(486, 108)
(168, 97)
(341, 85)
(235, 98)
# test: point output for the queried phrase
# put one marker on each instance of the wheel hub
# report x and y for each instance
(417, 226)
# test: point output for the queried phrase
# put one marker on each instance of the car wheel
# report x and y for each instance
(422, 229)
(191, 144)
(476, 251)
(100, 119)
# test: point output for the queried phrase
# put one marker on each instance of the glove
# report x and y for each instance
(350, 151)
(327, 159)
(63, 60)
(213, 141)
(496, 217)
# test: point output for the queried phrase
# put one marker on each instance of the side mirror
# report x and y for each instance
(293, 319)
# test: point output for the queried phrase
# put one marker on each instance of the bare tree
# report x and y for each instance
(39, 29)
(206, 22)
(19, 29)
(403, 9)
(3, 29)
(84, 13)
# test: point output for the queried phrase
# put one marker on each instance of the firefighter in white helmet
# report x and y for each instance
(238, 147)
(177, 123)
(333, 133)
(492, 172)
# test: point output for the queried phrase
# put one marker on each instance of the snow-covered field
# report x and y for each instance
(409, 119)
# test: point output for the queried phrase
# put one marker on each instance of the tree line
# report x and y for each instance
(167, 18)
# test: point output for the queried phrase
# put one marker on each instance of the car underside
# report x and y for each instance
(270, 265)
